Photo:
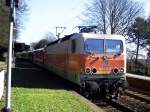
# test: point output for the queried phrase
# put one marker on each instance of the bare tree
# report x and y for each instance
(21, 15)
(112, 16)
(48, 37)
(42, 43)
(32, 45)
(131, 54)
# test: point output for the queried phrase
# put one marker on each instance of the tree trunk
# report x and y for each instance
(104, 31)
(137, 51)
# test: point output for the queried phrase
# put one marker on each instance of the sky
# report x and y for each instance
(45, 15)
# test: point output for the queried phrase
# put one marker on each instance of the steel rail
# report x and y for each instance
(119, 106)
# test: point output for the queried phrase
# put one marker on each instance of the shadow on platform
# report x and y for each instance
(28, 75)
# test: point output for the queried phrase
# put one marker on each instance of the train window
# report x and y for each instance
(73, 46)
(94, 45)
(114, 46)
(97, 46)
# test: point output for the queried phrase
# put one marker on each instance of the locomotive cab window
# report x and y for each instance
(101, 46)
(94, 46)
(114, 46)
(73, 46)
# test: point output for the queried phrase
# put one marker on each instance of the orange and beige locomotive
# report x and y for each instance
(95, 62)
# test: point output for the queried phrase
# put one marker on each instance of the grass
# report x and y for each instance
(45, 100)
(38, 91)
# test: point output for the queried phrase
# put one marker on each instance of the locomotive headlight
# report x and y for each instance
(121, 70)
(94, 70)
(87, 70)
(115, 70)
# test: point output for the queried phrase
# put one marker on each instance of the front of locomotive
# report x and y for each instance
(105, 65)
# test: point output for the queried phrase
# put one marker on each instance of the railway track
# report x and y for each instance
(119, 106)
(140, 96)
(139, 91)
(130, 102)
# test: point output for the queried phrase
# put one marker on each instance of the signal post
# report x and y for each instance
(12, 4)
